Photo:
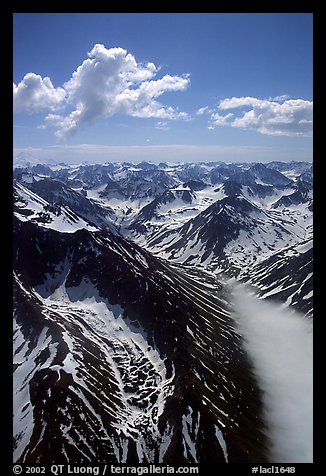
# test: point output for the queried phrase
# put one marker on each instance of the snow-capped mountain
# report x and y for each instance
(125, 348)
(25, 160)
(220, 216)
(237, 231)
(173, 205)
(263, 174)
(231, 233)
(302, 194)
(119, 357)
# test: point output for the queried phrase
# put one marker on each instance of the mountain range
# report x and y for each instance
(125, 348)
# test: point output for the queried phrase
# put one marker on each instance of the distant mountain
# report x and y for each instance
(25, 159)
(138, 184)
(222, 172)
(162, 206)
(302, 194)
(307, 176)
(232, 233)
(257, 174)
(291, 169)
(269, 176)
(173, 201)
(195, 185)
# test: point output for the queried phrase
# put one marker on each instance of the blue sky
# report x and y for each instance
(159, 86)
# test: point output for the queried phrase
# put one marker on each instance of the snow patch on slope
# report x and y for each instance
(25, 366)
(139, 371)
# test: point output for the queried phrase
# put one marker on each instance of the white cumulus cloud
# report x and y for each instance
(110, 81)
(162, 125)
(202, 110)
(35, 94)
(279, 116)
(219, 120)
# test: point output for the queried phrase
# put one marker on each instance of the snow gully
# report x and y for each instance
(57, 469)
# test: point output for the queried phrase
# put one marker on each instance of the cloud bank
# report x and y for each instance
(279, 116)
(96, 153)
(279, 343)
(110, 81)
